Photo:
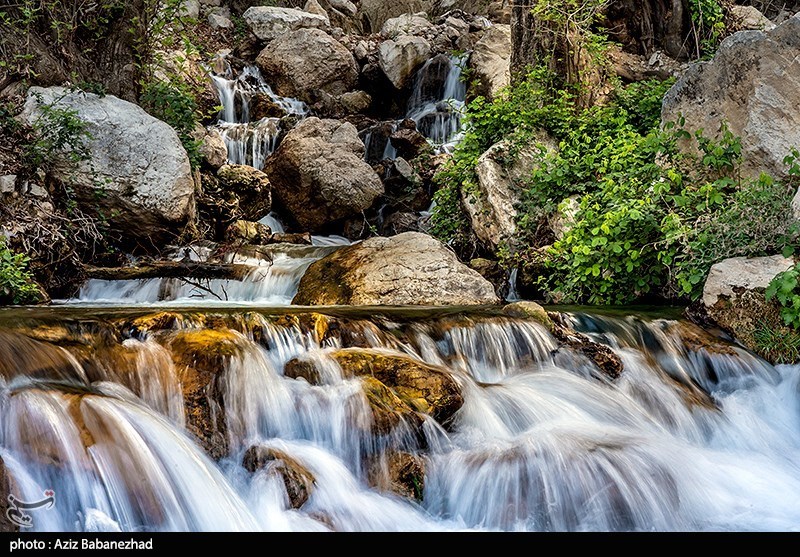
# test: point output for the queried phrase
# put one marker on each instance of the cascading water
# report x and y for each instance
(436, 106)
(689, 437)
(250, 142)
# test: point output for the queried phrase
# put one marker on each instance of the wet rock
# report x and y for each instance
(388, 410)
(319, 174)
(299, 368)
(606, 360)
(423, 387)
(297, 479)
(529, 310)
(201, 357)
(408, 141)
(303, 238)
(262, 106)
(248, 232)
(6, 488)
(212, 147)
(402, 473)
(408, 269)
(138, 174)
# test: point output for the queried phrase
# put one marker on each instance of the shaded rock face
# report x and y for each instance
(319, 175)
(733, 296)
(401, 473)
(490, 61)
(308, 64)
(138, 174)
(251, 187)
(747, 85)
(297, 479)
(6, 489)
(268, 23)
(411, 268)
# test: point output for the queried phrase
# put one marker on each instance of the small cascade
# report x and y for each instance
(250, 141)
(436, 106)
(696, 434)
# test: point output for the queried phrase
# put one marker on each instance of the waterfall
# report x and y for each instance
(436, 106)
(692, 436)
(249, 141)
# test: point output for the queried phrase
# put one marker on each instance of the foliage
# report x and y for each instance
(17, 284)
(784, 289)
(779, 345)
(175, 104)
(58, 133)
(708, 25)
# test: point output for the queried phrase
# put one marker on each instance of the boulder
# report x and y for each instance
(375, 13)
(137, 174)
(268, 23)
(750, 18)
(308, 64)
(400, 58)
(411, 268)
(212, 147)
(492, 205)
(490, 61)
(406, 24)
(746, 86)
(733, 298)
(319, 175)
(250, 186)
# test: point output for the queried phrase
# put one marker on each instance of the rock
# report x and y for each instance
(749, 18)
(406, 24)
(6, 489)
(403, 474)
(397, 223)
(8, 183)
(190, 9)
(303, 238)
(356, 101)
(408, 269)
(564, 218)
(319, 174)
(730, 277)
(375, 13)
(201, 357)
(308, 64)
(490, 61)
(492, 207)
(212, 147)
(251, 186)
(297, 479)
(268, 23)
(388, 410)
(344, 6)
(745, 85)
(217, 21)
(248, 232)
(606, 361)
(733, 299)
(529, 310)
(313, 7)
(409, 142)
(138, 174)
(399, 58)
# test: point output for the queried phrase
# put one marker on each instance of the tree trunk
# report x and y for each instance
(644, 27)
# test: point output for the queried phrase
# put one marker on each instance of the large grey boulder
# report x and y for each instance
(492, 205)
(752, 84)
(308, 64)
(268, 23)
(729, 278)
(411, 268)
(490, 61)
(138, 174)
(406, 24)
(399, 58)
(319, 175)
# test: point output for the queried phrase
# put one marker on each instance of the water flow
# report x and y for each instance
(697, 434)
(249, 141)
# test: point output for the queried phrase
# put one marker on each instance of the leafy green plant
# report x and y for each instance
(175, 104)
(777, 344)
(784, 290)
(58, 133)
(17, 284)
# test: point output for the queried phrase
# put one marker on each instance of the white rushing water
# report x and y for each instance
(537, 445)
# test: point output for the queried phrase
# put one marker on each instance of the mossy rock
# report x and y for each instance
(297, 479)
(529, 310)
(388, 411)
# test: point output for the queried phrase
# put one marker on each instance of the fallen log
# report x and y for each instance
(171, 269)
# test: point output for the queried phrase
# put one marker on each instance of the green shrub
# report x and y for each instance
(175, 104)
(17, 285)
